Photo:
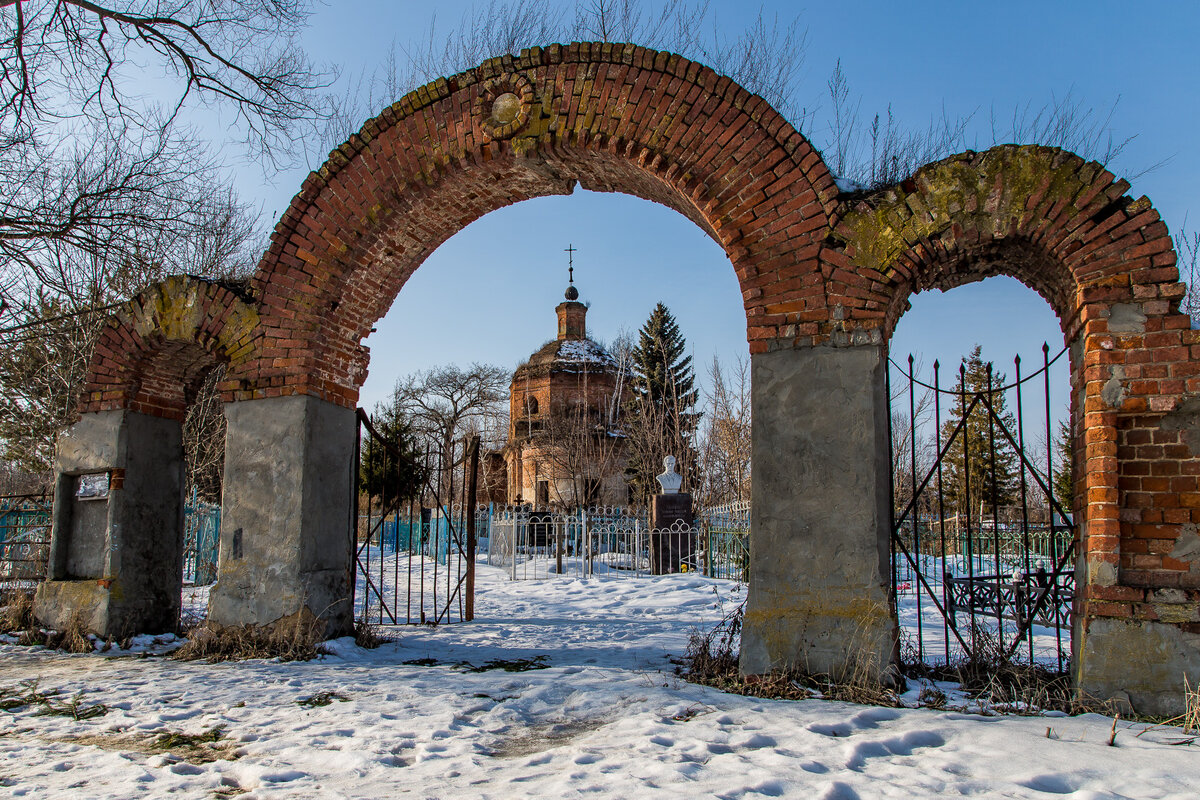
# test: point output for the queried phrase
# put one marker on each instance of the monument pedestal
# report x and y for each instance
(672, 539)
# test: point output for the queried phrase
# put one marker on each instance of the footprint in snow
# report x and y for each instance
(873, 716)
(1050, 784)
(284, 776)
(766, 789)
(183, 768)
(831, 729)
(756, 742)
(840, 791)
(858, 753)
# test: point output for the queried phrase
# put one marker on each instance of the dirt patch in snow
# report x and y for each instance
(546, 736)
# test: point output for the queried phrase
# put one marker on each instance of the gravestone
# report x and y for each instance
(672, 540)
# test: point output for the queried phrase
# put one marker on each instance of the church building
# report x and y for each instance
(565, 447)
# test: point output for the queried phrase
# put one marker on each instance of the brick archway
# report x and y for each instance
(608, 117)
(824, 276)
(116, 555)
(155, 350)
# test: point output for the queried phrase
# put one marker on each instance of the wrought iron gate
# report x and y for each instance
(414, 543)
(982, 549)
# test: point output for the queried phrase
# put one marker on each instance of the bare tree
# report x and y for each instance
(442, 403)
(579, 445)
(204, 439)
(1187, 249)
(52, 329)
(72, 59)
(102, 187)
(724, 446)
(913, 433)
(92, 166)
(765, 56)
(883, 152)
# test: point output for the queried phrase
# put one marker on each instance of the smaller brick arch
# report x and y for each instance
(154, 351)
(1061, 225)
(1105, 263)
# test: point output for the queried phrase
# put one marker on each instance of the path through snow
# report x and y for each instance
(608, 718)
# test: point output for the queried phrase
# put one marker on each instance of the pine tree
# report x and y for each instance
(993, 474)
(661, 417)
(1064, 472)
(392, 471)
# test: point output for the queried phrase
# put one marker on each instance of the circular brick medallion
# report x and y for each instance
(503, 106)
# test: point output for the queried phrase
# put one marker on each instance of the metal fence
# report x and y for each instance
(725, 531)
(25, 523)
(414, 557)
(201, 524)
(982, 550)
(536, 543)
(24, 540)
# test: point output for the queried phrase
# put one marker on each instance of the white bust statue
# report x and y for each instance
(670, 480)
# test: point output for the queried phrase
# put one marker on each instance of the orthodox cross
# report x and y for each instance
(570, 251)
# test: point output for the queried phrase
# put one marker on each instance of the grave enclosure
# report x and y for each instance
(824, 275)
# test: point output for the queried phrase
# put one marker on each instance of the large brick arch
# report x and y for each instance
(155, 349)
(606, 116)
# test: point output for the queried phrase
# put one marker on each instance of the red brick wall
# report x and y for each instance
(152, 355)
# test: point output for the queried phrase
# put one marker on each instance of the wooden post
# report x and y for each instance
(472, 486)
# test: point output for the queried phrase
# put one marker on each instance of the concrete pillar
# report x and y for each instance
(116, 551)
(286, 537)
(819, 524)
(1140, 665)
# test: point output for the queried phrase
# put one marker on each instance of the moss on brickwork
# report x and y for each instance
(181, 308)
(984, 191)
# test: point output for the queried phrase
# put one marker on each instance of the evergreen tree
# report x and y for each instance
(993, 474)
(1064, 472)
(392, 471)
(661, 417)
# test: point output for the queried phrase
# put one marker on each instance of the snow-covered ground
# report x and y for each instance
(606, 718)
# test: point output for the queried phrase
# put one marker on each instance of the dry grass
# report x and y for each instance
(989, 676)
(16, 616)
(712, 660)
(1191, 706)
(28, 694)
(367, 636)
(321, 699)
(294, 639)
(16, 611)
(73, 638)
(201, 748)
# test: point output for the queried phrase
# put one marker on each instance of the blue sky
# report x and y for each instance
(488, 293)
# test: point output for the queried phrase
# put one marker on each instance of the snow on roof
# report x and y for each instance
(584, 351)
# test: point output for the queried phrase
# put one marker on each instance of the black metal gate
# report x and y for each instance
(982, 548)
(414, 544)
